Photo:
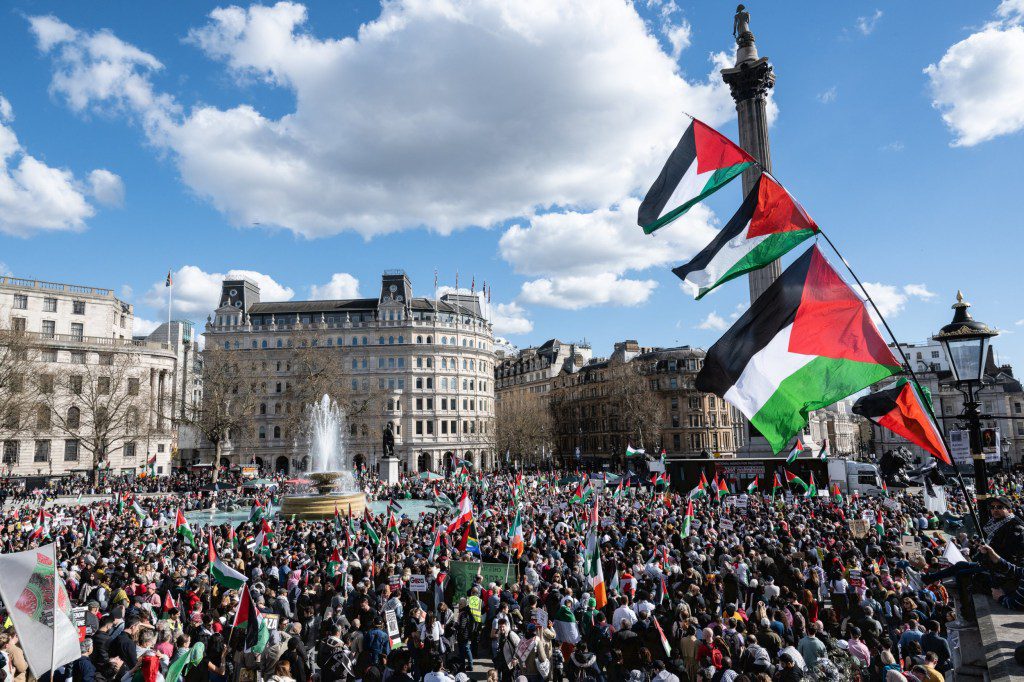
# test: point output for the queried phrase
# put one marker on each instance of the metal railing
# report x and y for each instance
(109, 342)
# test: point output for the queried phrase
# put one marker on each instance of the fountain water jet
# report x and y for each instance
(331, 470)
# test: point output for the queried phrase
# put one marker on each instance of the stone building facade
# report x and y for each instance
(93, 395)
(840, 425)
(589, 414)
(431, 359)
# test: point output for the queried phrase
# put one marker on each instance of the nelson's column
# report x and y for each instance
(749, 81)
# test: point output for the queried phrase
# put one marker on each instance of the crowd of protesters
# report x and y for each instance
(772, 585)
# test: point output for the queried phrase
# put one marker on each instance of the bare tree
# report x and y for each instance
(17, 390)
(101, 406)
(232, 386)
(637, 403)
(524, 426)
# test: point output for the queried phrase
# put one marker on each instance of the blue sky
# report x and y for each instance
(315, 145)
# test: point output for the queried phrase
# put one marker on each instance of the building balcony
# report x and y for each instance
(94, 342)
(55, 287)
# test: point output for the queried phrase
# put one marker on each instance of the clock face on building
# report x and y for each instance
(398, 298)
(393, 288)
(233, 293)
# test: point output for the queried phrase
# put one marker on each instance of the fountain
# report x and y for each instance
(331, 471)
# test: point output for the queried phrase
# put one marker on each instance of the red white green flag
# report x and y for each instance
(688, 519)
(903, 408)
(703, 162)
(804, 344)
(768, 224)
(182, 528)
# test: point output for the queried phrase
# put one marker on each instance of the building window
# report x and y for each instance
(48, 355)
(419, 427)
(49, 328)
(75, 384)
(18, 324)
(71, 451)
(78, 307)
(77, 330)
(42, 451)
(42, 417)
(133, 387)
(129, 450)
(277, 432)
(10, 452)
(20, 302)
(49, 305)
(103, 385)
(74, 417)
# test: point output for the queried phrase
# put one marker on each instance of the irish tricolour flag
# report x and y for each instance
(805, 343)
(767, 225)
(702, 163)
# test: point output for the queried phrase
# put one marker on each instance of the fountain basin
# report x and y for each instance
(321, 507)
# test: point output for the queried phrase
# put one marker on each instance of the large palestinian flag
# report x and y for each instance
(767, 225)
(902, 409)
(805, 343)
(249, 619)
(702, 163)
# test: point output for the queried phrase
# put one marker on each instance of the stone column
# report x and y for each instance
(749, 81)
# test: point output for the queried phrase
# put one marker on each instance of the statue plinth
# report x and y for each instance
(389, 470)
(322, 506)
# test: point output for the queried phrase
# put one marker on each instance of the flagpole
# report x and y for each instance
(913, 375)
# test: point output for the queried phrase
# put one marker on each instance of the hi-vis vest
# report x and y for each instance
(475, 603)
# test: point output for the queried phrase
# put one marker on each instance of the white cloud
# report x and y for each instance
(828, 96)
(866, 25)
(978, 85)
(35, 197)
(197, 293)
(605, 243)
(891, 300)
(510, 318)
(4, 270)
(605, 240)
(127, 292)
(1011, 9)
(342, 285)
(106, 188)
(439, 113)
(714, 321)
(573, 293)
(143, 327)
(739, 310)
(679, 35)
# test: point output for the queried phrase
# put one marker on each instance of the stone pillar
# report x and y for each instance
(749, 81)
(389, 470)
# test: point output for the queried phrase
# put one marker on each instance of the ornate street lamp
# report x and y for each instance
(966, 342)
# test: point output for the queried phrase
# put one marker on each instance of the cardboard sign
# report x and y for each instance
(463, 573)
(890, 503)
(859, 528)
(540, 616)
(271, 620)
(910, 546)
(724, 525)
(394, 580)
(417, 583)
(960, 446)
(392, 623)
(78, 618)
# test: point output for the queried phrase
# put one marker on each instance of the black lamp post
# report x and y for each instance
(966, 342)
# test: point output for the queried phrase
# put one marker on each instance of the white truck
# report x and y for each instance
(854, 477)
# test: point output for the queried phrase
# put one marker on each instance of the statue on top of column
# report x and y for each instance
(741, 24)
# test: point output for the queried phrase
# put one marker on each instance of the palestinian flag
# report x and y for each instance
(169, 602)
(904, 409)
(702, 488)
(702, 163)
(257, 511)
(837, 494)
(249, 619)
(823, 450)
(723, 489)
(659, 479)
(222, 573)
(120, 504)
(181, 528)
(394, 507)
(804, 344)
(792, 478)
(632, 452)
(140, 513)
(812, 489)
(767, 225)
(338, 525)
(392, 527)
(776, 483)
(261, 543)
(517, 486)
(752, 488)
(617, 493)
(687, 520)
(885, 489)
(368, 528)
(566, 629)
(879, 523)
(436, 546)
(90, 528)
(351, 522)
(798, 449)
(582, 493)
(516, 541)
(334, 563)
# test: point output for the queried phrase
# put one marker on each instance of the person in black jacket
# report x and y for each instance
(101, 656)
